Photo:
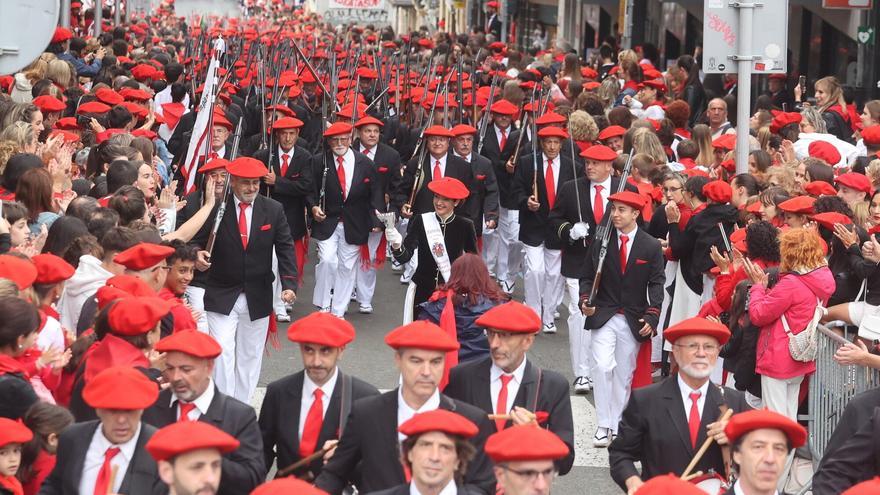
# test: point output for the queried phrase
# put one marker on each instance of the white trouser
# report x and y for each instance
(708, 289)
(614, 352)
(510, 249)
(578, 338)
(277, 303)
(490, 248)
(335, 270)
(543, 282)
(366, 277)
(196, 298)
(237, 369)
(781, 395)
(657, 341)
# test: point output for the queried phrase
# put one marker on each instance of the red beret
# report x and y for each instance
(493, 4)
(725, 142)
(512, 317)
(552, 131)
(107, 294)
(438, 130)
(321, 329)
(366, 73)
(783, 119)
(463, 130)
(185, 436)
(798, 204)
(738, 239)
(824, 151)
(871, 135)
(134, 94)
(286, 486)
(855, 181)
(144, 71)
(222, 121)
(142, 256)
(589, 72)
(778, 76)
(108, 96)
(61, 35)
(439, 420)
(697, 326)
(629, 198)
(144, 133)
(610, 132)
(820, 188)
(421, 334)
(120, 387)
(137, 315)
(21, 271)
(869, 487)
(51, 269)
(130, 284)
(247, 168)
(337, 129)
(192, 342)
(67, 136)
(449, 187)
(658, 85)
(718, 191)
(66, 123)
(49, 104)
(829, 218)
(550, 118)
(16, 432)
(599, 153)
(287, 123)
(93, 107)
(668, 484)
(695, 172)
(503, 107)
(216, 163)
(525, 443)
(744, 422)
(287, 112)
(368, 120)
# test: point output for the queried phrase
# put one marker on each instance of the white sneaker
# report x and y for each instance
(365, 309)
(405, 280)
(354, 295)
(282, 317)
(395, 266)
(508, 287)
(582, 385)
(550, 328)
(602, 438)
(556, 315)
(325, 310)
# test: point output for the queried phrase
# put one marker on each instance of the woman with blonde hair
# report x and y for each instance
(25, 80)
(702, 135)
(22, 135)
(805, 282)
(59, 73)
(830, 101)
(583, 129)
(7, 149)
(783, 176)
(608, 91)
(646, 141)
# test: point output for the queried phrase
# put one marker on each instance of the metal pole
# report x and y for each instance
(98, 14)
(504, 21)
(129, 6)
(65, 13)
(626, 39)
(117, 13)
(744, 84)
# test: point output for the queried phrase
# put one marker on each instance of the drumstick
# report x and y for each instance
(113, 471)
(703, 448)
(692, 476)
(305, 461)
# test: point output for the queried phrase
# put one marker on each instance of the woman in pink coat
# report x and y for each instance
(804, 282)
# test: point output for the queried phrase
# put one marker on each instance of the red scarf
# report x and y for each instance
(12, 484)
(9, 364)
(447, 323)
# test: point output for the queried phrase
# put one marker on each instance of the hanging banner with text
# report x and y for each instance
(357, 11)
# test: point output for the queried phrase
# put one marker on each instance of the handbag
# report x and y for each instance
(869, 327)
(803, 346)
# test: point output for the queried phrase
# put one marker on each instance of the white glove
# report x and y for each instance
(393, 237)
(579, 231)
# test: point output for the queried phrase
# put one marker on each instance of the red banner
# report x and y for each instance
(848, 4)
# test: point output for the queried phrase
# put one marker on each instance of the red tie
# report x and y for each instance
(213, 155)
(501, 406)
(312, 428)
(623, 240)
(437, 173)
(242, 224)
(694, 417)
(598, 207)
(102, 483)
(503, 138)
(284, 164)
(367, 151)
(550, 184)
(185, 408)
(340, 172)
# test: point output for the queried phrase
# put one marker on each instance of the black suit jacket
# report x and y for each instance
(639, 292)
(857, 413)
(485, 191)
(857, 459)
(279, 418)
(243, 469)
(292, 189)
(469, 382)
(534, 226)
(492, 150)
(565, 214)
(654, 430)
(235, 270)
(692, 245)
(387, 165)
(424, 199)
(141, 477)
(370, 438)
(356, 211)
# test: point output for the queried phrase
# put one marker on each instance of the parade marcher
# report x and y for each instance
(854, 461)
(485, 190)
(760, 442)
(438, 237)
(581, 206)
(306, 411)
(343, 206)
(193, 396)
(286, 486)
(436, 452)
(90, 452)
(666, 485)
(526, 459)
(371, 439)
(508, 384)
(238, 290)
(188, 456)
(535, 191)
(493, 21)
(664, 424)
(625, 310)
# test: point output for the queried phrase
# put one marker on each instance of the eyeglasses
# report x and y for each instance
(672, 189)
(692, 348)
(531, 475)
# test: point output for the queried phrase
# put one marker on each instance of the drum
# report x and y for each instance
(712, 483)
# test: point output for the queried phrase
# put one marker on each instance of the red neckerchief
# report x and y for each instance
(683, 133)
(631, 85)
(12, 484)
(9, 364)
(50, 311)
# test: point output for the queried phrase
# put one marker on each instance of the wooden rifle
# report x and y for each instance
(422, 150)
(577, 194)
(522, 129)
(221, 209)
(484, 119)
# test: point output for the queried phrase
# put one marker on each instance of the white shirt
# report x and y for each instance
(248, 213)
(95, 459)
(202, 402)
(512, 386)
(308, 397)
(372, 153)
(348, 166)
(51, 336)
(163, 97)
(432, 161)
(738, 489)
(686, 399)
(404, 412)
(631, 236)
(606, 191)
(555, 165)
(449, 489)
(221, 153)
(466, 158)
(506, 134)
(289, 154)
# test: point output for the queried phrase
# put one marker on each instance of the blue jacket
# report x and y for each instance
(472, 338)
(82, 68)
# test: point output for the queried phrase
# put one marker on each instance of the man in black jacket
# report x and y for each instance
(485, 202)
(192, 396)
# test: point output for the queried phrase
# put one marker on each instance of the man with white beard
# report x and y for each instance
(687, 401)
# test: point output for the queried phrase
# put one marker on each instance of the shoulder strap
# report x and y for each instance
(344, 401)
(539, 375)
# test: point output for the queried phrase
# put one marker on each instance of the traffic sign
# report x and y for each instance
(848, 4)
(721, 36)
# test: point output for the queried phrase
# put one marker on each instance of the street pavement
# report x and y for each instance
(370, 359)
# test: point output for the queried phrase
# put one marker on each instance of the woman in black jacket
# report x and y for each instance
(18, 332)
(692, 88)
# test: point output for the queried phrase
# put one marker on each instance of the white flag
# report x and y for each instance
(200, 141)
